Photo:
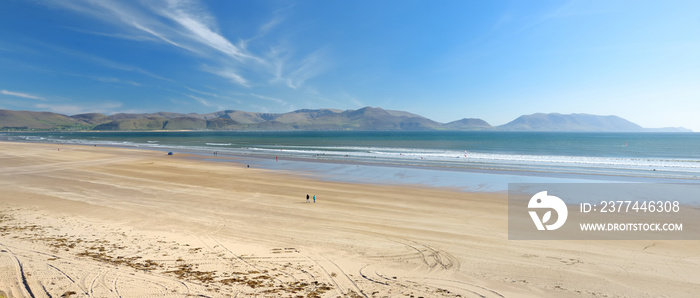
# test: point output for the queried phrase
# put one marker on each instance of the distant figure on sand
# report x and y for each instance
(307, 198)
(314, 198)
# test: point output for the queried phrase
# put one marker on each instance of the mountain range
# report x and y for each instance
(367, 118)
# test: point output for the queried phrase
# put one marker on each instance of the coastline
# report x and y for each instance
(179, 225)
(461, 179)
(554, 155)
(366, 158)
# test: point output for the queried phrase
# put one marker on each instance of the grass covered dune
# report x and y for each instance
(107, 222)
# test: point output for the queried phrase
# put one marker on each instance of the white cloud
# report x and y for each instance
(213, 95)
(120, 66)
(228, 73)
(134, 20)
(351, 98)
(203, 101)
(187, 24)
(198, 23)
(203, 93)
(292, 72)
(161, 36)
(112, 80)
(102, 62)
(195, 26)
(278, 55)
(277, 100)
(357, 102)
(19, 94)
(265, 28)
(132, 37)
(310, 67)
(236, 78)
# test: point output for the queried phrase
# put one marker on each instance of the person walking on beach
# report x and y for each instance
(307, 198)
(314, 198)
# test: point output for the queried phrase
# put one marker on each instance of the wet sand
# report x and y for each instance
(108, 222)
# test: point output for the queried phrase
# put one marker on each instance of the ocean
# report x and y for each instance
(466, 160)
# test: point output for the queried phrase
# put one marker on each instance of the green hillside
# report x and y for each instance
(22, 120)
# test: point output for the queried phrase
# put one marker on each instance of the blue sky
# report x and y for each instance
(445, 60)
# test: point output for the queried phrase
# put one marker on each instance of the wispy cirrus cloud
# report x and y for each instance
(132, 37)
(112, 80)
(104, 79)
(202, 92)
(200, 100)
(311, 66)
(120, 66)
(227, 73)
(20, 94)
(132, 19)
(187, 24)
(181, 23)
(200, 27)
(262, 31)
(102, 61)
(205, 102)
(214, 95)
(277, 100)
(356, 101)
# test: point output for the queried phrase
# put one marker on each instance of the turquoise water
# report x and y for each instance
(523, 154)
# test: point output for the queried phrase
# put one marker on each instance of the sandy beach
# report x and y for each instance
(81, 221)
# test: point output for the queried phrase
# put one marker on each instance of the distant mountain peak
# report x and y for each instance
(570, 122)
(468, 124)
(366, 118)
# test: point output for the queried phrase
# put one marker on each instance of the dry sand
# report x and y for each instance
(107, 222)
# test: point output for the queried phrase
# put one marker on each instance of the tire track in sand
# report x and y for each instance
(21, 278)
(433, 258)
(344, 281)
(69, 278)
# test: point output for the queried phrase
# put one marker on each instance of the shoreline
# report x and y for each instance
(461, 178)
(367, 149)
(103, 221)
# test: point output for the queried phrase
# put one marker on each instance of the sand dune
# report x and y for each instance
(107, 222)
